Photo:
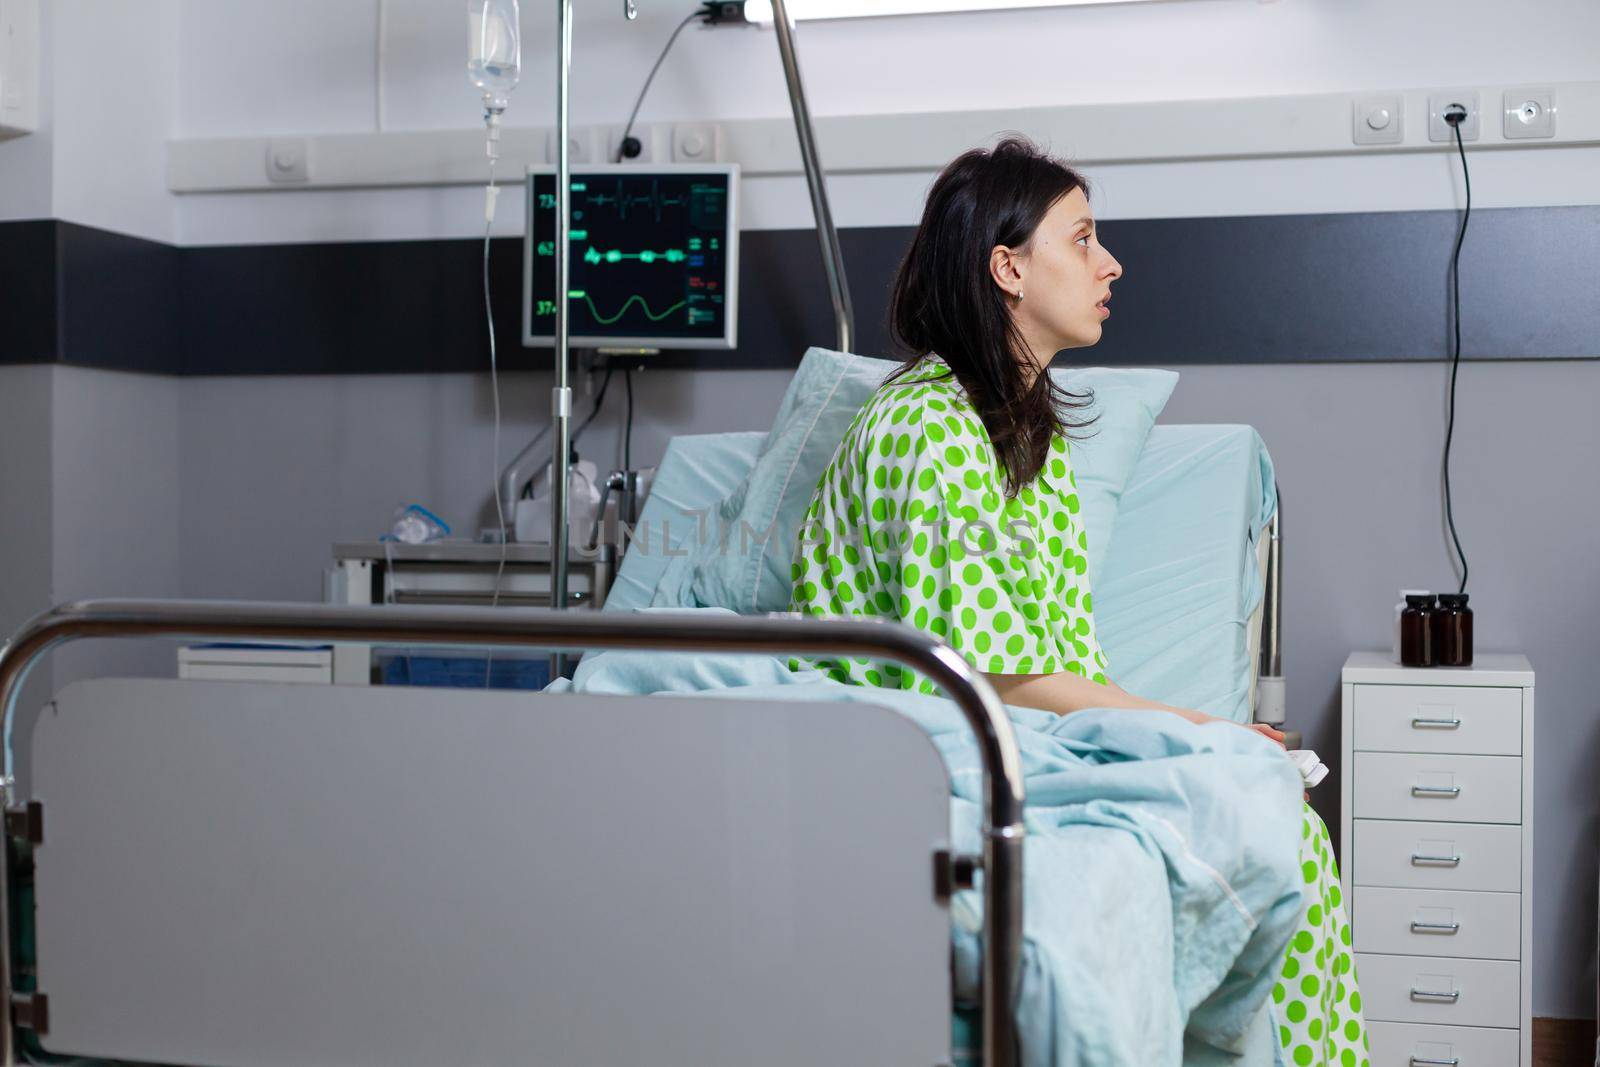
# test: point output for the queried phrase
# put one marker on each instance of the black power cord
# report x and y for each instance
(1455, 115)
(627, 431)
(629, 147)
(599, 399)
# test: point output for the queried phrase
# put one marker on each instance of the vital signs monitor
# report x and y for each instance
(654, 257)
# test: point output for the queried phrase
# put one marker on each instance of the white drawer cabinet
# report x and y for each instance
(1422, 1045)
(1432, 922)
(1438, 718)
(1438, 989)
(1428, 787)
(1430, 855)
(1437, 828)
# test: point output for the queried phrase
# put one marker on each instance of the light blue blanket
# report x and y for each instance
(1161, 884)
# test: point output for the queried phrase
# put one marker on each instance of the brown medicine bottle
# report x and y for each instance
(1452, 631)
(1416, 631)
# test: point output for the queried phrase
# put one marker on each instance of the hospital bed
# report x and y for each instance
(248, 873)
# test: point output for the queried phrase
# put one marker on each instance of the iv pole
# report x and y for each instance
(561, 394)
(999, 1040)
(827, 236)
(844, 315)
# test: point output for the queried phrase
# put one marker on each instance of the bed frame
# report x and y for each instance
(177, 835)
(247, 873)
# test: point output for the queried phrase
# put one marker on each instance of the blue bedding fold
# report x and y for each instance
(1161, 859)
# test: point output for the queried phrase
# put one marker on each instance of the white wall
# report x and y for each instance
(115, 87)
(108, 85)
(296, 80)
(25, 161)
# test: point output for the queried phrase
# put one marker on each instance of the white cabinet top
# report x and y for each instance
(1489, 668)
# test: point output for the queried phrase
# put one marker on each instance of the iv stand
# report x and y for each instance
(999, 1040)
(844, 315)
(827, 237)
(561, 394)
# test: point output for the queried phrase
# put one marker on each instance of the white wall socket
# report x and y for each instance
(288, 160)
(1529, 113)
(1439, 129)
(696, 142)
(1378, 119)
(580, 146)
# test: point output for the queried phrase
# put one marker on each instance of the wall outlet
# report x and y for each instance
(1439, 129)
(288, 160)
(647, 144)
(1529, 113)
(696, 142)
(580, 147)
(1378, 119)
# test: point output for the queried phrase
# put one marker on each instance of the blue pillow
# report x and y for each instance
(1128, 401)
(744, 562)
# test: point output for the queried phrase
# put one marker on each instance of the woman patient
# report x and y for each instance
(951, 504)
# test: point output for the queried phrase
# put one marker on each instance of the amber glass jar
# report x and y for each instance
(1416, 631)
(1452, 631)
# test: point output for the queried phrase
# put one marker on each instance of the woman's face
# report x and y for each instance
(1064, 275)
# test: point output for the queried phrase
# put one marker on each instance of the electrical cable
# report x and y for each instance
(600, 398)
(1455, 358)
(627, 426)
(627, 130)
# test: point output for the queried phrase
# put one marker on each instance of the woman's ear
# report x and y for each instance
(1005, 267)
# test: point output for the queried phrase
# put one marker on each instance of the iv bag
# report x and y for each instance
(494, 49)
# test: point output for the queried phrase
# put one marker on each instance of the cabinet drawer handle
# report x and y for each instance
(1419, 860)
(1423, 994)
(1434, 928)
(1446, 792)
(1418, 1061)
(1435, 724)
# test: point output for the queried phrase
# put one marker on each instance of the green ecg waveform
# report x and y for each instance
(671, 255)
(652, 316)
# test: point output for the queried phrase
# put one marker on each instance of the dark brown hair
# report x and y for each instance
(945, 301)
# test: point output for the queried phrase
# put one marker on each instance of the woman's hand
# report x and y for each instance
(1269, 733)
(1275, 736)
(1064, 693)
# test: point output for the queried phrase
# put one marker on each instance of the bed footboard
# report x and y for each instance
(640, 879)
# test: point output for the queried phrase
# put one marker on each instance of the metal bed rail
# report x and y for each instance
(578, 631)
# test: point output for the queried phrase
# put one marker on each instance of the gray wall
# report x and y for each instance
(26, 554)
(1358, 455)
(115, 504)
(89, 507)
(274, 470)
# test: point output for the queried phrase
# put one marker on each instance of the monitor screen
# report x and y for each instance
(654, 257)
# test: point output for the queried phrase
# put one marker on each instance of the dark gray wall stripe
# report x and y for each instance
(1267, 289)
(1293, 288)
(120, 301)
(29, 329)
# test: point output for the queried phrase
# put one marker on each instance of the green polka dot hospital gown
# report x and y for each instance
(905, 523)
